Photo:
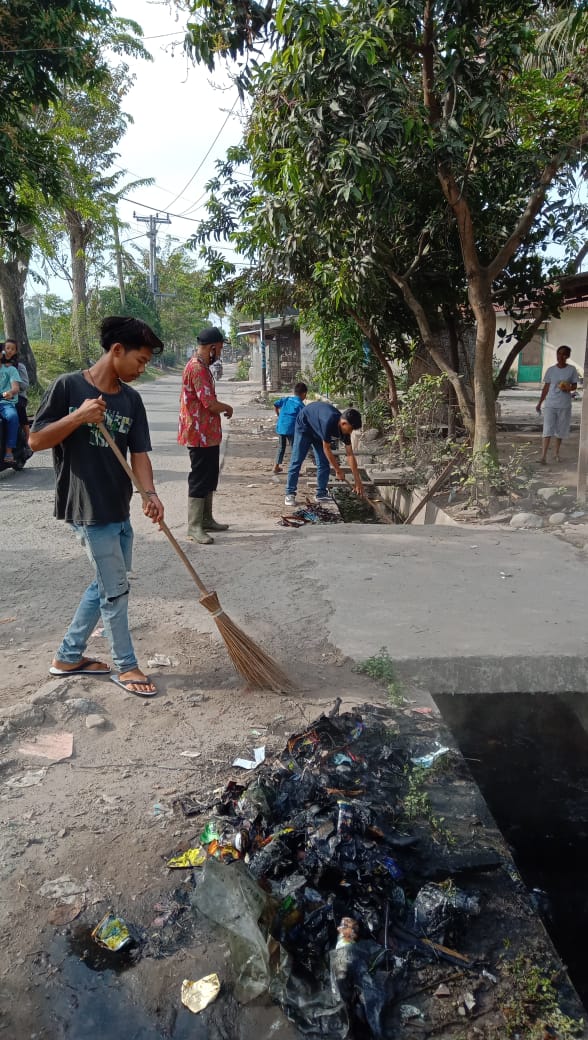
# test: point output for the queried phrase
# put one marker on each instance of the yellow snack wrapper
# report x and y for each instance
(198, 995)
(191, 858)
(112, 933)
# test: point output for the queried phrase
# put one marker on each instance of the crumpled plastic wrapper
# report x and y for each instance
(112, 933)
(198, 995)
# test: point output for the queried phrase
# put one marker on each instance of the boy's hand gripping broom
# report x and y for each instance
(249, 660)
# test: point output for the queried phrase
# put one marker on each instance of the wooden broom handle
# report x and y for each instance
(162, 524)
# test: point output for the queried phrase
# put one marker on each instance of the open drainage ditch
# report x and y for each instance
(357, 510)
(529, 756)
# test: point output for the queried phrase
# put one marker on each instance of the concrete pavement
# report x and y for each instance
(461, 609)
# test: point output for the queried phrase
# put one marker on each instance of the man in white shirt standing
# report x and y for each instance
(560, 381)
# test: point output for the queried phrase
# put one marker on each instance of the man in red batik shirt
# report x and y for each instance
(200, 430)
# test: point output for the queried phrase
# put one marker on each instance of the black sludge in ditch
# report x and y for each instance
(529, 755)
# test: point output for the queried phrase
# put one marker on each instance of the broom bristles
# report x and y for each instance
(249, 660)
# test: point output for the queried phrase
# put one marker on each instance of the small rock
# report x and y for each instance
(49, 691)
(65, 888)
(409, 1011)
(557, 518)
(95, 721)
(62, 833)
(367, 436)
(527, 521)
(547, 493)
(81, 705)
(442, 991)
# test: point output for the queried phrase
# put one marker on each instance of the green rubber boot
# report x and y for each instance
(209, 523)
(196, 532)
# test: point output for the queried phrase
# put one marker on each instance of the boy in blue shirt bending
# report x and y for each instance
(315, 426)
(287, 409)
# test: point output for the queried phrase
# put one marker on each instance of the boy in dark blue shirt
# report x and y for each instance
(315, 426)
(287, 409)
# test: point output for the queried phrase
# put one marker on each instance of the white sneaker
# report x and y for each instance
(322, 498)
(290, 500)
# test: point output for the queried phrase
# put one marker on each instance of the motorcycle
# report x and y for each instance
(21, 452)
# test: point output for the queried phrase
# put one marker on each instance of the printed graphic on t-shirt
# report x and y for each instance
(114, 422)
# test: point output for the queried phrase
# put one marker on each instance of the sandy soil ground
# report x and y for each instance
(104, 817)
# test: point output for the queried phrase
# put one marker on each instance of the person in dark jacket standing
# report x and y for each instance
(316, 425)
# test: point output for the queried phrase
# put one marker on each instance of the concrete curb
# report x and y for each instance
(529, 674)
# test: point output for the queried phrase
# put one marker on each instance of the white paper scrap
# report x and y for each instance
(248, 763)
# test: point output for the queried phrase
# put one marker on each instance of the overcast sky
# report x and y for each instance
(182, 124)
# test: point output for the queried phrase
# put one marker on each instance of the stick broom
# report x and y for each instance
(249, 660)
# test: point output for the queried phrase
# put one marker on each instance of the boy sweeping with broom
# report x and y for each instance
(93, 493)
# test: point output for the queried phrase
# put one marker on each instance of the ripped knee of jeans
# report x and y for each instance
(114, 599)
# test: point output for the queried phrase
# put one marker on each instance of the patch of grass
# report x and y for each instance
(242, 370)
(380, 668)
(533, 1007)
(417, 804)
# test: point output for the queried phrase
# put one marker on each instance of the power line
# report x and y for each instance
(157, 209)
(201, 164)
(73, 50)
(161, 35)
(195, 205)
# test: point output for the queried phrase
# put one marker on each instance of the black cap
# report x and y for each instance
(209, 336)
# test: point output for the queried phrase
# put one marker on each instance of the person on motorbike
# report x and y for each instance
(11, 354)
(9, 389)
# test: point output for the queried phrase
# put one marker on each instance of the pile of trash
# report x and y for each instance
(311, 513)
(308, 871)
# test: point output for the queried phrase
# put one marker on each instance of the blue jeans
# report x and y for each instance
(285, 439)
(303, 442)
(9, 413)
(109, 548)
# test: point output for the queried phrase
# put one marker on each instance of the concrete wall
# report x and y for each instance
(306, 355)
(306, 351)
(569, 329)
(404, 501)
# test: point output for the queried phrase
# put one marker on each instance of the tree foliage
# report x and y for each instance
(180, 311)
(406, 159)
(44, 46)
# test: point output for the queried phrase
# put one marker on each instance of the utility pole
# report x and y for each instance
(263, 354)
(119, 265)
(153, 221)
(583, 448)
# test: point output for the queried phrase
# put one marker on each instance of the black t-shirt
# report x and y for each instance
(91, 485)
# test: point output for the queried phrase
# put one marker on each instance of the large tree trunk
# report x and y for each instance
(485, 435)
(435, 350)
(13, 276)
(79, 236)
